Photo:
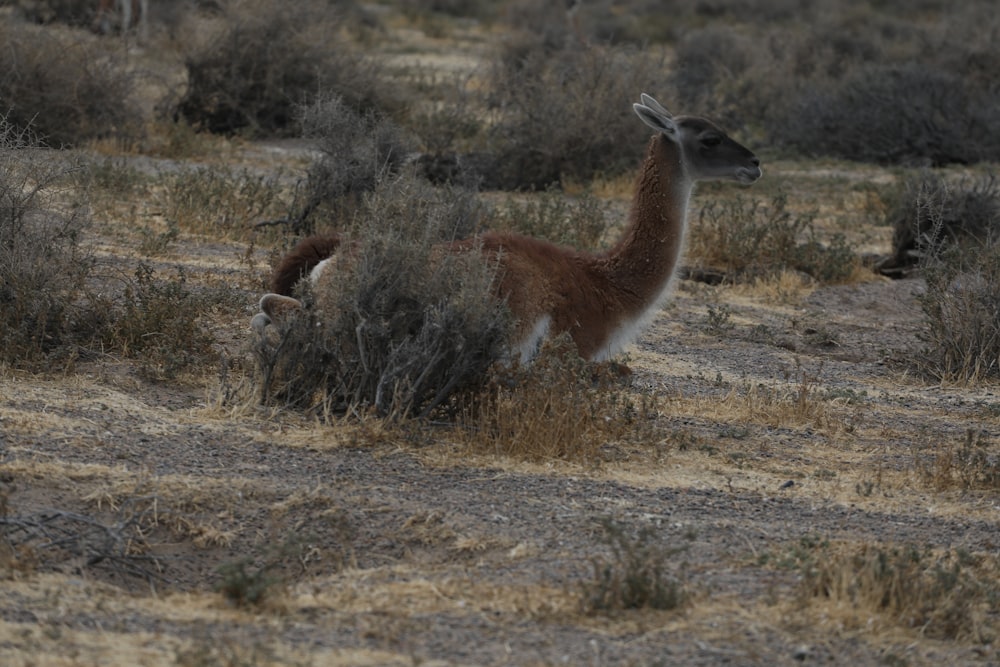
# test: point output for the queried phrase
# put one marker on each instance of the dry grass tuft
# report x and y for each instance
(635, 576)
(559, 407)
(944, 595)
(970, 465)
(747, 240)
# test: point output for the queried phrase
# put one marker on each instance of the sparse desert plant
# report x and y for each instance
(270, 59)
(961, 306)
(43, 265)
(561, 115)
(970, 465)
(157, 322)
(929, 213)
(558, 407)
(637, 575)
(945, 595)
(67, 92)
(408, 326)
(551, 215)
(358, 150)
(948, 232)
(746, 239)
(221, 202)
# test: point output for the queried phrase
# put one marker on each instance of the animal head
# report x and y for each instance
(707, 152)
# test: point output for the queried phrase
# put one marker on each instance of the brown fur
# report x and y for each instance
(601, 300)
(300, 260)
(589, 296)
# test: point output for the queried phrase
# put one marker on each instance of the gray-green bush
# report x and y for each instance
(68, 91)
(270, 59)
(928, 213)
(43, 266)
(566, 114)
(357, 150)
(746, 238)
(405, 327)
(947, 232)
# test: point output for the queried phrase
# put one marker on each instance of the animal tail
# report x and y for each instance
(300, 260)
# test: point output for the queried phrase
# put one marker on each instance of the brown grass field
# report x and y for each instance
(809, 494)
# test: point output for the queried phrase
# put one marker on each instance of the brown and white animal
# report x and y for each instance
(603, 300)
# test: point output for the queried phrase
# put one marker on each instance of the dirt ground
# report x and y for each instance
(791, 417)
(394, 549)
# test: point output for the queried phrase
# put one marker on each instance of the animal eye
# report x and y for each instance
(711, 141)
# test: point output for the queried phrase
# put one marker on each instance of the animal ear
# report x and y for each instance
(653, 104)
(656, 119)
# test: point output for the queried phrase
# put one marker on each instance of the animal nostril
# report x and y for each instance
(755, 161)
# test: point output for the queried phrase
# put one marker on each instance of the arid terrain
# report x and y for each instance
(790, 463)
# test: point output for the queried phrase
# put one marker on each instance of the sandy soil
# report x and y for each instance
(392, 549)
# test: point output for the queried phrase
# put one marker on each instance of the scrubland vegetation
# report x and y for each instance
(808, 430)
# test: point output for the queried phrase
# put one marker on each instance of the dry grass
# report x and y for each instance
(558, 408)
(747, 239)
(398, 541)
(947, 594)
(971, 464)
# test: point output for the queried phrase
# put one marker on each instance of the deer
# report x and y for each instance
(602, 300)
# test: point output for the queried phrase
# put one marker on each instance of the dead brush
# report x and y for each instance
(949, 594)
(44, 267)
(221, 202)
(559, 407)
(49, 538)
(747, 239)
(411, 326)
(637, 575)
(971, 465)
(961, 304)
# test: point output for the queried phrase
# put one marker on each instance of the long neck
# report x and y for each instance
(645, 257)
